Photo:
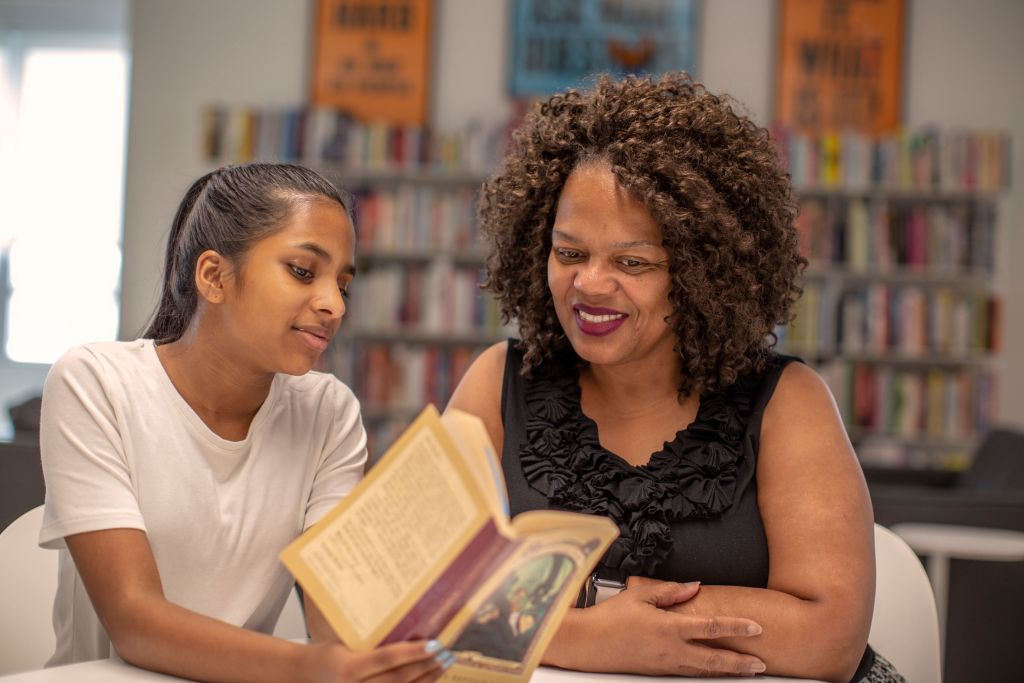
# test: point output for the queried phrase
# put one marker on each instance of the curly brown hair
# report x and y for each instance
(709, 176)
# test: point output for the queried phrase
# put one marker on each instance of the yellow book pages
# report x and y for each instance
(371, 559)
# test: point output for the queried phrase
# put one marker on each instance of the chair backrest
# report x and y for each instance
(905, 625)
(21, 480)
(998, 464)
(292, 622)
(28, 582)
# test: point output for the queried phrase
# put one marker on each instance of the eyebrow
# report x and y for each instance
(618, 245)
(321, 253)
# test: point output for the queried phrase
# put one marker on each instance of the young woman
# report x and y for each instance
(643, 239)
(179, 465)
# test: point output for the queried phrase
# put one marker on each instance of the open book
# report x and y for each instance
(423, 548)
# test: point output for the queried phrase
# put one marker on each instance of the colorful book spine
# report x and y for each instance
(925, 159)
(315, 135)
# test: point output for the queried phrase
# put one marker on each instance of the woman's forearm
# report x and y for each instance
(162, 636)
(634, 632)
(802, 637)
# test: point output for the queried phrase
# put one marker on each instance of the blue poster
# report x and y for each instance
(557, 44)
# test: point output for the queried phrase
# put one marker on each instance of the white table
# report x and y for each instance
(111, 671)
(940, 543)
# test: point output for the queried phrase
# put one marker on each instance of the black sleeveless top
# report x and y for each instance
(689, 514)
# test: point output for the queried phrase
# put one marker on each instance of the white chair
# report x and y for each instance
(905, 624)
(291, 625)
(28, 582)
(940, 543)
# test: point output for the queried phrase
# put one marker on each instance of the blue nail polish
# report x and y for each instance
(432, 646)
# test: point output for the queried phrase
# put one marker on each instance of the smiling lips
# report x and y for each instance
(316, 338)
(597, 321)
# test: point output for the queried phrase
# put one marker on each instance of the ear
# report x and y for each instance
(212, 272)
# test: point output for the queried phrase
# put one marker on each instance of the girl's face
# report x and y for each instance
(608, 272)
(287, 302)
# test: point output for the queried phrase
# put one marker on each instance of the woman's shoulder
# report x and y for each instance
(800, 392)
(797, 381)
(485, 373)
(480, 389)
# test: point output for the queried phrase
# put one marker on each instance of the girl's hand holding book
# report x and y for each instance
(419, 661)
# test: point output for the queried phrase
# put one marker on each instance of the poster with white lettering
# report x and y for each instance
(558, 44)
(840, 65)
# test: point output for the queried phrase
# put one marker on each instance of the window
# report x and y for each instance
(63, 117)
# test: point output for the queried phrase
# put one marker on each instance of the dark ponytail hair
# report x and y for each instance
(227, 210)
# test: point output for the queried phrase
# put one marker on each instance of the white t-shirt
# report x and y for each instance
(122, 449)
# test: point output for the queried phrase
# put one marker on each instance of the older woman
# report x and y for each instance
(642, 237)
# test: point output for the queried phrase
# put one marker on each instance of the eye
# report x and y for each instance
(301, 273)
(344, 291)
(567, 255)
(635, 265)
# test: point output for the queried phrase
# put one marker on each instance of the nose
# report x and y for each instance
(329, 301)
(594, 279)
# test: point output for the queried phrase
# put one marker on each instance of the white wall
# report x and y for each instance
(186, 55)
(963, 62)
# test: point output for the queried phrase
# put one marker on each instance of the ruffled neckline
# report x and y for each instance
(694, 476)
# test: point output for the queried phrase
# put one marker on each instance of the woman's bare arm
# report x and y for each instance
(120, 574)
(816, 611)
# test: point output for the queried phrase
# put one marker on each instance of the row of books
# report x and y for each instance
(881, 235)
(925, 159)
(405, 376)
(942, 408)
(910, 321)
(233, 134)
(434, 298)
(410, 218)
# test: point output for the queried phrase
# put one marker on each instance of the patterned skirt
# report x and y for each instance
(882, 671)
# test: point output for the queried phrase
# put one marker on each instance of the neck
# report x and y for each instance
(633, 388)
(215, 383)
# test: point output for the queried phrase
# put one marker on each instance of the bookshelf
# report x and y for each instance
(900, 312)
(417, 316)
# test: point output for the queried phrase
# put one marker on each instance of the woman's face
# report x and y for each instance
(290, 298)
(608, 272)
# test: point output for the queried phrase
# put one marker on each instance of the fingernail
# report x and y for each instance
(445, 658)
(432, 646)
(753, 629)
(447, 664)
(757, 667)
(692, 584)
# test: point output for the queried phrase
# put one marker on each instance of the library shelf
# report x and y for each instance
(417, 315)
(462, 257)
(415, 337)
(900, 309)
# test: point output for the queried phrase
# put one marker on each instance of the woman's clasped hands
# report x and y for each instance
(647, 638)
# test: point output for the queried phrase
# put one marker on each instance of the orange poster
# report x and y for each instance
(840, 65)
(371, 58)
